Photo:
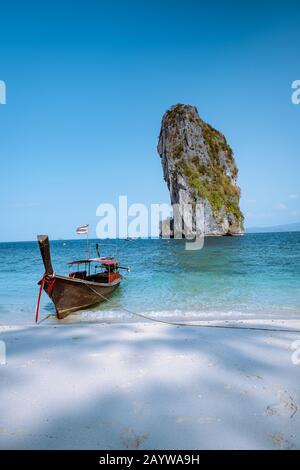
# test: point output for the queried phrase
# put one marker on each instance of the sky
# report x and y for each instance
(87, 84)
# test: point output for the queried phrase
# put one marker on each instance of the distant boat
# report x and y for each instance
(82, 288)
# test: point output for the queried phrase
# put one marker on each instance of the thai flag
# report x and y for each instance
(82, 230)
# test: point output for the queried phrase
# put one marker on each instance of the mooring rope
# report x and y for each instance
(157, 320)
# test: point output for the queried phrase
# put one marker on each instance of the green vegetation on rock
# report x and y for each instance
(194, 150)
(210, 183)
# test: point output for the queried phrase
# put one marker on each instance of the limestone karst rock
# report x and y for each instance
(199, 167)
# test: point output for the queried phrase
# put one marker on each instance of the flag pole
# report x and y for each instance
(84, 230)
(87, 243)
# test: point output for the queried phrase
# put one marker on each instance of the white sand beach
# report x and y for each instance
(149, 386)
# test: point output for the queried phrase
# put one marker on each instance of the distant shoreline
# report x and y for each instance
(249, 231)
(283, 228)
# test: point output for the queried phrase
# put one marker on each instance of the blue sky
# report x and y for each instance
(87, 85)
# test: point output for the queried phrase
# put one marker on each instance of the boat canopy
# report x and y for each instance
(103, 261)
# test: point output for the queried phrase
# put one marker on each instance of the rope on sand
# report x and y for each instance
(157, 320)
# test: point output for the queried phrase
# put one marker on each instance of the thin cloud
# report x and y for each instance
(293, 196)
(281, 206)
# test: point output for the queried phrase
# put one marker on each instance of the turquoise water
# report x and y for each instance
(257, 276)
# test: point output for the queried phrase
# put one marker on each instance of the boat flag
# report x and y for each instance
(82, 230)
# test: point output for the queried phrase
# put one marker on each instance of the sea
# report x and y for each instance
(256, 276)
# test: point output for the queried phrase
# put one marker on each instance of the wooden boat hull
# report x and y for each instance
(70, 295)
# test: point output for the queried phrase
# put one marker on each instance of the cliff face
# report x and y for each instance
(199, 167)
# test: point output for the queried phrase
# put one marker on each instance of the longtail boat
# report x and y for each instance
(82, 288)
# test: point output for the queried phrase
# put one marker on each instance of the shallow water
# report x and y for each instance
(255, 276)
